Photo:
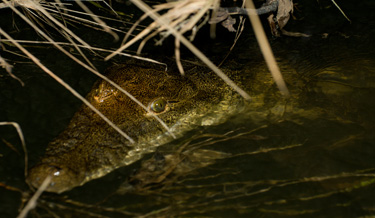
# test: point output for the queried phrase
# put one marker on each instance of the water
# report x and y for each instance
(314, 158)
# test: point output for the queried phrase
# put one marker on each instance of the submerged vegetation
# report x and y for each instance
(257, 167)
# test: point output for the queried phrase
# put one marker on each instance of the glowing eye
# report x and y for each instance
(158, 105)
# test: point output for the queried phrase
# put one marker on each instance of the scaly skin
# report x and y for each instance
(89, 148)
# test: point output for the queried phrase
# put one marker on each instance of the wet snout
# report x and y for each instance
(63, 178)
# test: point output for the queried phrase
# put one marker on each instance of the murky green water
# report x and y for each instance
(314, 157)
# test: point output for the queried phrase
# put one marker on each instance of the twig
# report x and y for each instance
(223, 13)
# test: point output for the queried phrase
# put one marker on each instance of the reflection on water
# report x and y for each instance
(312, 155)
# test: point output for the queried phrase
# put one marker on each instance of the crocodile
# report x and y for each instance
(89, 148)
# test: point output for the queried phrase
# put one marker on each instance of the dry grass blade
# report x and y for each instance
(59, 80)
(342, 12)
(93, 48)
(39, 8)
(83, 21)
(66, 32)
(20, 134)
(266, 50)
(181, 15)
(187, 43)
(9, 145)
(33, 200)
(98, 20)
(9, 68)
(88, 68)
(22, 3)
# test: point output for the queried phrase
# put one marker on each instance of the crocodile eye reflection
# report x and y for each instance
(159, 105)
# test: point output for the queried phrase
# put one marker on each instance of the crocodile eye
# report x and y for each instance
(159, 105)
